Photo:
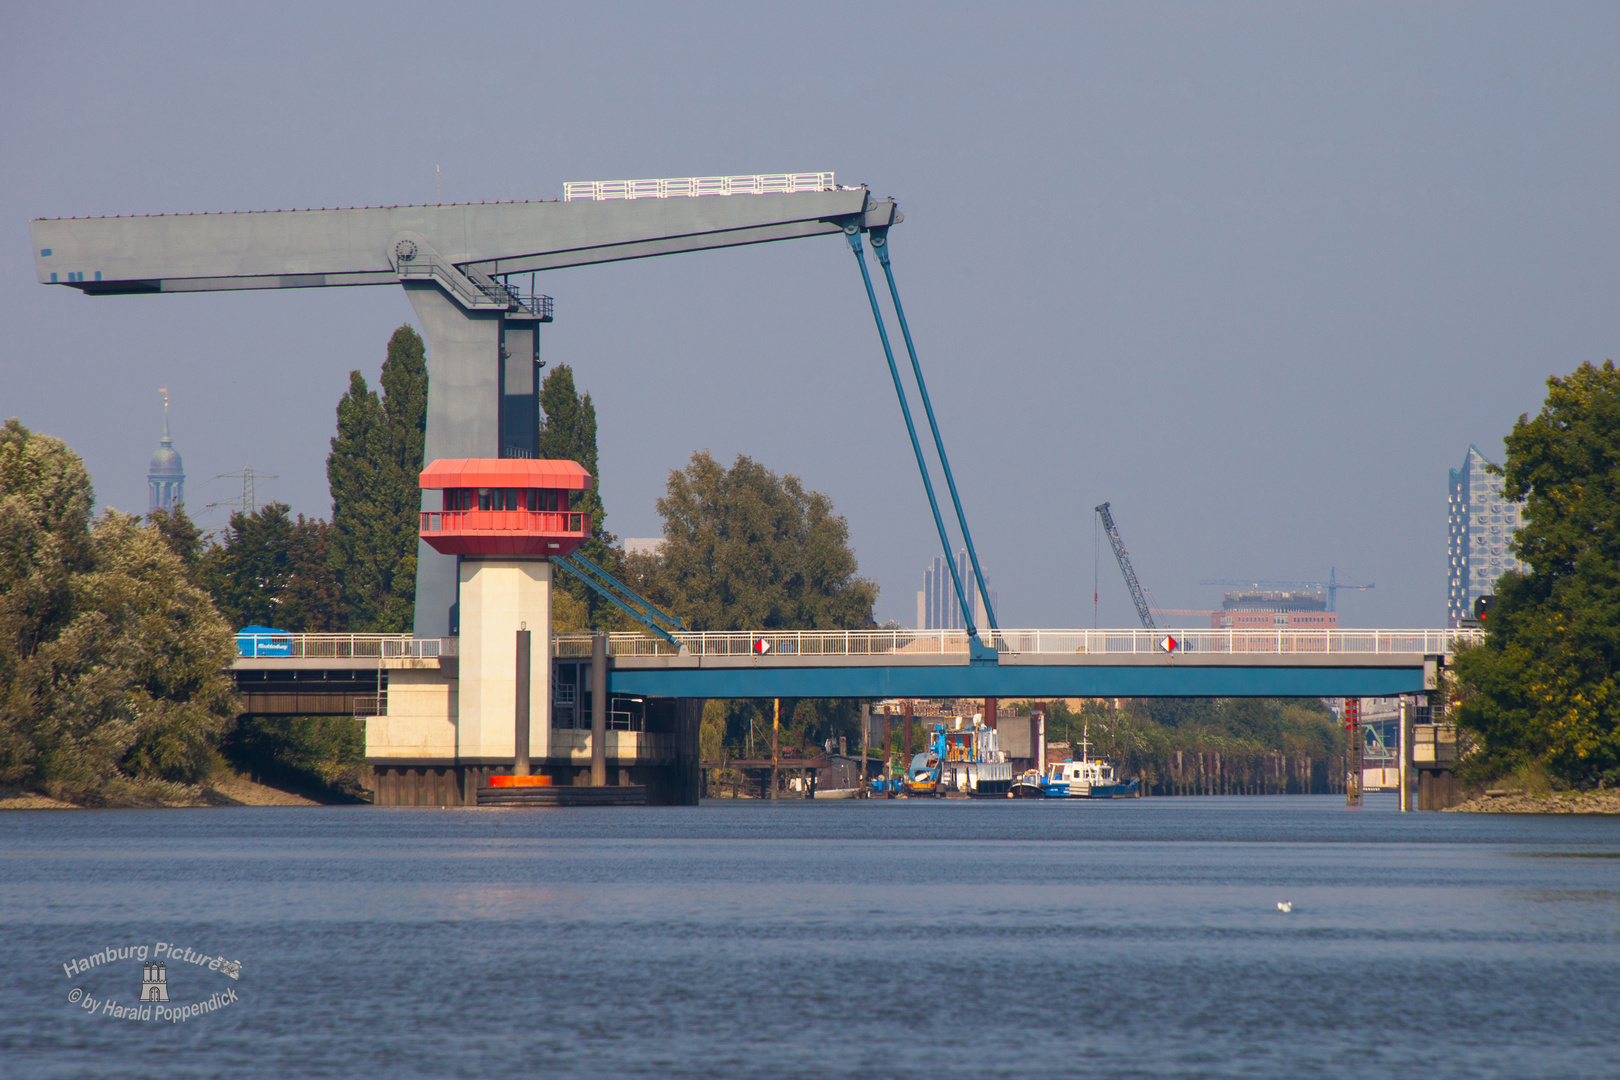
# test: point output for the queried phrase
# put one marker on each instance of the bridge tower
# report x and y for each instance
(503, 520)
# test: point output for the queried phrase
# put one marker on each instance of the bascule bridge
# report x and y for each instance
(456, 703)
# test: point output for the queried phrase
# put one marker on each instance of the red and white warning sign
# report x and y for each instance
(1169, 644)
(761, 646)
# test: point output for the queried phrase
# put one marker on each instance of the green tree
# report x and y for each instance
(314, 598)
(747, 549)
(45, 501)
(806, 724)
(184, 538)
(568, 433)
(113, 675)
(373, 473)
(324, 756)
(1542, 688)
(271, 570)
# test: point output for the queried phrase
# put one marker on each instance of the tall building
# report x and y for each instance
(1482, 524)
(166, 477)
(937, 607)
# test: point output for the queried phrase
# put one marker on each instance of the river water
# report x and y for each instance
(830, 939)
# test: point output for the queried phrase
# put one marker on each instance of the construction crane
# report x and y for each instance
(1143, 611)
(1332, 585)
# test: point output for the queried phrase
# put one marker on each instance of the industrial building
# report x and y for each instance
(1273, 609)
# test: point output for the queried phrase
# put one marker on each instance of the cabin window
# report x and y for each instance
(536, 500)
(500, 499)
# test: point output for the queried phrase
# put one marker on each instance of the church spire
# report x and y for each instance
(166, 477)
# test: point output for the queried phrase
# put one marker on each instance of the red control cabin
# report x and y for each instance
(506, 506)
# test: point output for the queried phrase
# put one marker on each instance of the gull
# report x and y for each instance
(1285, 906)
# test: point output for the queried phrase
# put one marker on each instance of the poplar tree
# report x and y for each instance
(568, 433)
(373, 472)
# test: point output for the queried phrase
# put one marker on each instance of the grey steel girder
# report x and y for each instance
(483, 344)
(282, 249)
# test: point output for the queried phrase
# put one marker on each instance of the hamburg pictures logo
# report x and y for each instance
(189, 969)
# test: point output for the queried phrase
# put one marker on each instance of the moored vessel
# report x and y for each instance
(1088, 778)
(960, 761)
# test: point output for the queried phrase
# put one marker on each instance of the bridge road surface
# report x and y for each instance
(909, 663)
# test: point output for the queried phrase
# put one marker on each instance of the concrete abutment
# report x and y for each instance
(665, 761)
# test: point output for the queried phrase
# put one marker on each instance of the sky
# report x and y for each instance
(1257, 274)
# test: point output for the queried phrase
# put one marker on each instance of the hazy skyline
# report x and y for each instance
(1256, 274)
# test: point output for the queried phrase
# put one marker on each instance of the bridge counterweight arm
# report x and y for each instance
(482, 337)
(283, 249)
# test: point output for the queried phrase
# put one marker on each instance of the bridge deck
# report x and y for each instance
(910, 663)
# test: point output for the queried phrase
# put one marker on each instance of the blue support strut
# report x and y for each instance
(852, 233)
(581, 567)
(880, 245)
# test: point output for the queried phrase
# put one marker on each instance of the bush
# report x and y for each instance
(322, 755)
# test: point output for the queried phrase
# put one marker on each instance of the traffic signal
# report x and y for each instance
(1352, 713)
(1482, 606)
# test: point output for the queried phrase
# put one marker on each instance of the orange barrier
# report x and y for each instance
(520, 781)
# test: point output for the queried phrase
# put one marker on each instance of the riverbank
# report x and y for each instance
(1509, 801)
(229, 790)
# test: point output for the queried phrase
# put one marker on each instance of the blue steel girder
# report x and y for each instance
(980, 652)
(983, 680)
(880, 245)
(609, 587)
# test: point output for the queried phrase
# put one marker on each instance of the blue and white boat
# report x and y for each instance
(1088, 778)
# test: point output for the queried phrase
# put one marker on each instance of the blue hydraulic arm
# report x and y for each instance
(880, 245)
(608, 586)
(852, 233)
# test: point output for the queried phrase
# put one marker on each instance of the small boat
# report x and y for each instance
(1085, 780)
(1032, 785)
(1088, 778)
(922, 778)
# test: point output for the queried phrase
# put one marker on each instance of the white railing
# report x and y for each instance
(897, 643)
(342, 646)
(901, 643)
(694, 186)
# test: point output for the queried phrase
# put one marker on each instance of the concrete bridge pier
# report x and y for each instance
(674, 779)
